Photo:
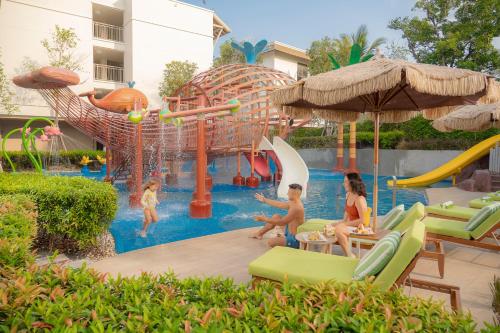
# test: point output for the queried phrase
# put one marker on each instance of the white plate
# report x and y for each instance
(322, 238)
(353, 230)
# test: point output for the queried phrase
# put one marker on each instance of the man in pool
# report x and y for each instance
(291, 221)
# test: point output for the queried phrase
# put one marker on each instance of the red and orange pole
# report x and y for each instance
(352, 147)
(340, 148)
(238, 179)
(200, 207)
(252, 181)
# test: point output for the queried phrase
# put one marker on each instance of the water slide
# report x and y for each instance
(452, 167)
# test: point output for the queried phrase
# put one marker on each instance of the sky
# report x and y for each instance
(299, 22)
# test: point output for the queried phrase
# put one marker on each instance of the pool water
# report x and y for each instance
(233, 207)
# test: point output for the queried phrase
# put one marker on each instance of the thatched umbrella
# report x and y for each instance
(392, 89)
(471, 118)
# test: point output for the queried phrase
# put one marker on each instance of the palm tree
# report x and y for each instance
(347, 53)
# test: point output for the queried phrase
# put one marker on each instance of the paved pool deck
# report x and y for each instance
(228, 254)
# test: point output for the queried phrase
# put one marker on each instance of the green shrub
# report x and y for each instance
(308, 131)
(65, 299)
(17, 229)
(73, 157)
(75, 208)
(388, 140)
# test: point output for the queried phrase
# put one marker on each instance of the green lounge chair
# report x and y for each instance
(480, 202)
(318, 224)
(439, 229)
(453, 212)
(299, 266)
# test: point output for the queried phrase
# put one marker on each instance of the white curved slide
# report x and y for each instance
(294, 168)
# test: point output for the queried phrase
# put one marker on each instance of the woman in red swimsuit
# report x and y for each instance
(355, 206)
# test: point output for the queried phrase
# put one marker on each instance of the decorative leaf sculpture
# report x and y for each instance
(355, 57)
(249, 50)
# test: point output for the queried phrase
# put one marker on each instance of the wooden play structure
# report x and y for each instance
(220, 112)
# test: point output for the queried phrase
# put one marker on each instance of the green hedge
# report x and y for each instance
(73, 157)
(77, 300)
(388, 140)
(17, 229)
(75, 208)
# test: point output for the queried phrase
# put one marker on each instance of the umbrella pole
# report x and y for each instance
(375, 168)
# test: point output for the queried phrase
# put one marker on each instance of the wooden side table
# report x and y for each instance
(326, 245)
(366, 239)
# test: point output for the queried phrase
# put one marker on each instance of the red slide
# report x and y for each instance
(260, 165)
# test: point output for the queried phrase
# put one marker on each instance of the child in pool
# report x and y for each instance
(149, 202)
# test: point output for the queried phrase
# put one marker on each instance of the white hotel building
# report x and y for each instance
(119, 41)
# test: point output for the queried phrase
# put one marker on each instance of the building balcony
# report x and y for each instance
(107, 32)
(108, 73)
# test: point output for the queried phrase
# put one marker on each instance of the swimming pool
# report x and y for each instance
(233, 207)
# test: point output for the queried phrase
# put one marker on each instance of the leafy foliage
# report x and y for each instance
(340, 49)
(229, 55)
(6, 95)
(65, 299)
(75, 208)
(18, 228)
(388, 140)
(175, 75)
(455, 33)
(22, 162)
(495, 293)
(60, 49)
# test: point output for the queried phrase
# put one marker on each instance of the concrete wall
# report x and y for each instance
(163, 31)
(407, 163)
(23, 24)
(280, 61)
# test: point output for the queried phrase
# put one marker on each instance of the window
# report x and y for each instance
(302, 71)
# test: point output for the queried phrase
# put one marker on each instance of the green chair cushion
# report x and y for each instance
(393, 217)
(376, 259)
(495, 195)
(480, 203)
(489, 223)
(411, 243)
(300, 266)
(446, 227)
(415, 213)
(481, 216)
(453, 211)
(314, 225)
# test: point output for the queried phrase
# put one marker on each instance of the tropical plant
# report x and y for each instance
(228, 55)
(6, 95)
(354, 48)
(456, 33)
(60, 49)
(62, 299)
(175, 75)
(495, 302)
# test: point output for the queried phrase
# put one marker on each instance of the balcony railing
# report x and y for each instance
(107, 31)
(108, 73)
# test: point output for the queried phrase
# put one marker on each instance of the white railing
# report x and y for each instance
(107, 31)
(108, 73)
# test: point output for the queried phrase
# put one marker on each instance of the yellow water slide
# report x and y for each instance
(452, 167)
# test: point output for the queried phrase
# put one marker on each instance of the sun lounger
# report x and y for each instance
(455, 231)
(318, 224)
(299, 266)
(452, 212)
(484, 201)
(439, 229)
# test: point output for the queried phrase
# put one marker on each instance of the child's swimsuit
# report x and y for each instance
(149, 200)
(291, 241)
